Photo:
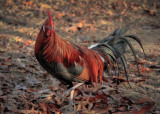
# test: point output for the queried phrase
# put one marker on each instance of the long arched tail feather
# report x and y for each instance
(113, 48)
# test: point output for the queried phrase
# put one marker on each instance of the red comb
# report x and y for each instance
(50, 19)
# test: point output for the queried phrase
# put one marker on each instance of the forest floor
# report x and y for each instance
(26, 88)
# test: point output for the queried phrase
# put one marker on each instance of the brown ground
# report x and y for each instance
(25, 87)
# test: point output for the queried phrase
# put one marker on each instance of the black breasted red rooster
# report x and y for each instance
(69, 62)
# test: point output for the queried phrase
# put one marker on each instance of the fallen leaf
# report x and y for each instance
(143, 110)
(145, 99)
(2, 107)
(142, 69)
(19, 63)
(44, 107)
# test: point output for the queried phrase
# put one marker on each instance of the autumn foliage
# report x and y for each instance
(26, 88)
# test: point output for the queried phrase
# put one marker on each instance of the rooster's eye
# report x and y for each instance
(50, 28)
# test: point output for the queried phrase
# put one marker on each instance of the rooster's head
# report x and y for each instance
(48, 26)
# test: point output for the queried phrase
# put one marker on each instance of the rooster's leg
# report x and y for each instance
(71, 92)
(71, 101)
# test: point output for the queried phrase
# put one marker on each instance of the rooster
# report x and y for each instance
(69, 62)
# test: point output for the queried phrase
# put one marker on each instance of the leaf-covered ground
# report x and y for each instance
(26, 88)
